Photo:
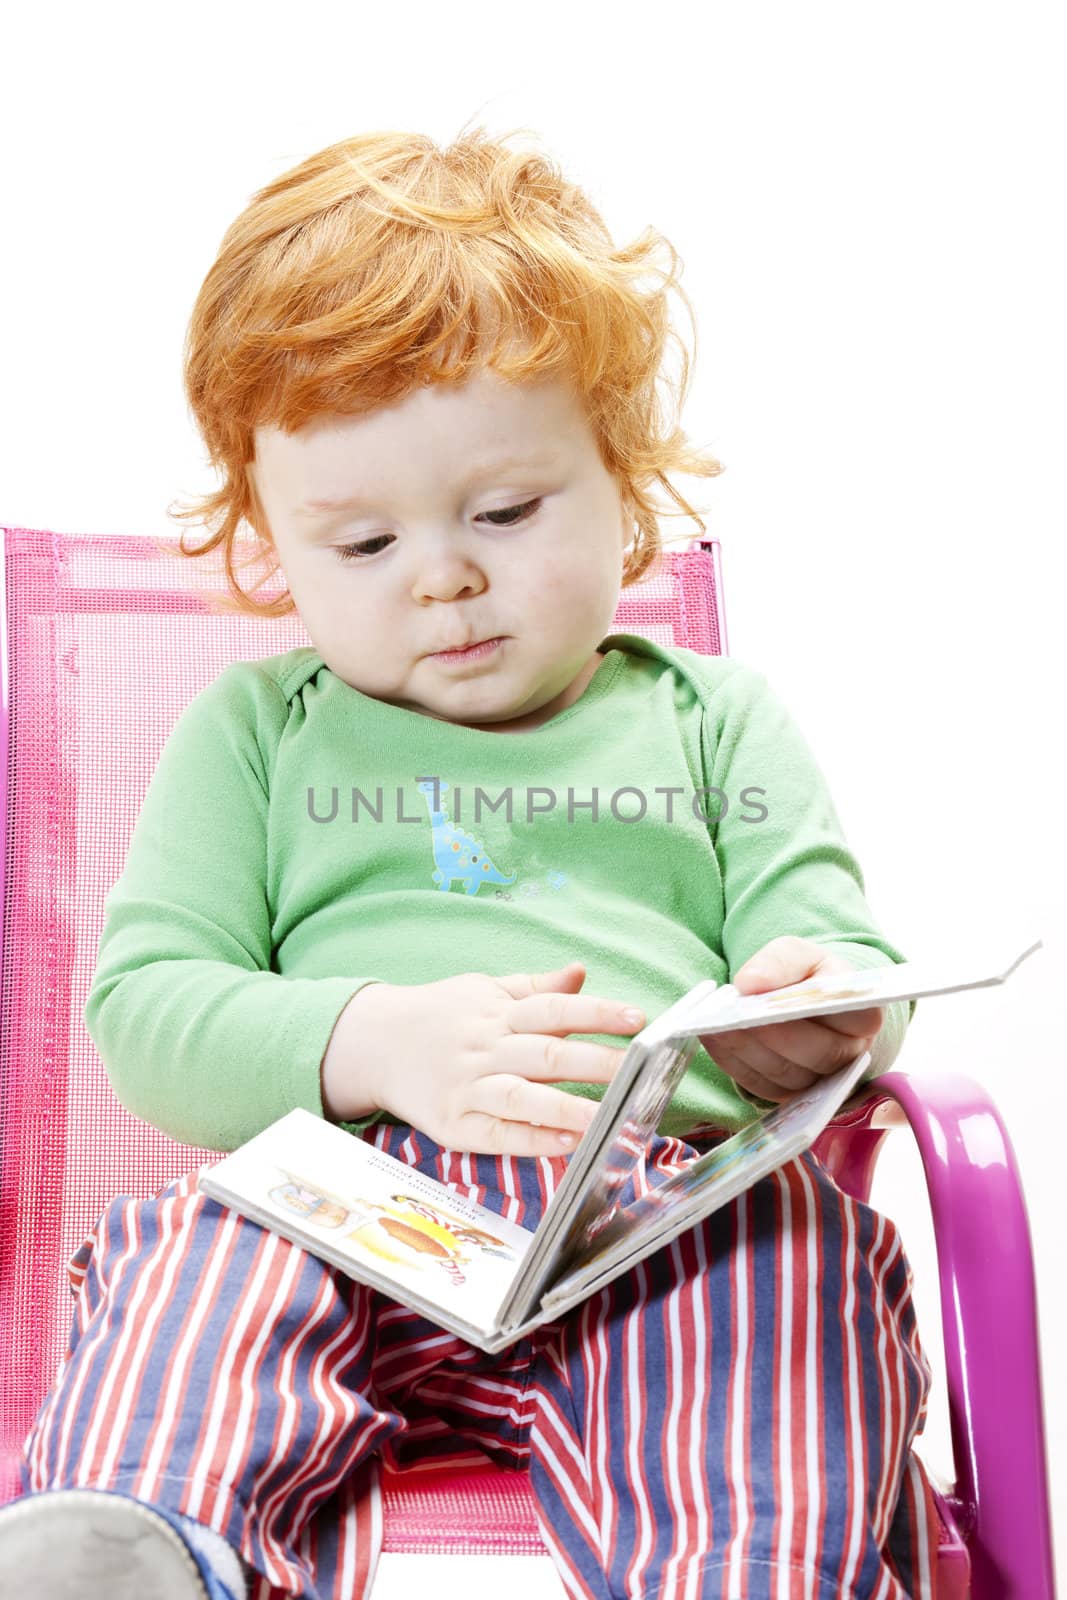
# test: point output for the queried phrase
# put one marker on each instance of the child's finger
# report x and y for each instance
(560, 1014)
(543, 1058)
(752, 1056)
(513, 1099)
(857, 1024)
(804, 1041)
(754, 1082)
(744, 1047)
(495, 1136)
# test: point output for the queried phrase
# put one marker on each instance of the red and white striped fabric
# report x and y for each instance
(732, 1418)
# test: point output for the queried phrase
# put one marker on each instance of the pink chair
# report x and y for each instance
(103, 641)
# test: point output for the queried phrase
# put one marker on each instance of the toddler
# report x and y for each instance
(426, 877)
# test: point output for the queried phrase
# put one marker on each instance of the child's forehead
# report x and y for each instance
(483, 401)
(482, 425)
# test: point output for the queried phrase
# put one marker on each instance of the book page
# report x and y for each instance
(330, 1190)
(609, 1150)
(799, 1119)
(834, 992)
(633, 1130)
(711, 1180)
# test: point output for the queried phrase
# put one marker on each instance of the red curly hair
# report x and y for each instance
(384, 262)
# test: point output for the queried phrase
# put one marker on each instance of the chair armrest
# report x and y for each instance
(989, 1317)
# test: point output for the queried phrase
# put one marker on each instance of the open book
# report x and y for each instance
(489, 1280)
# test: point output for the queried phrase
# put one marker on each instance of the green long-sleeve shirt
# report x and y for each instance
(661, 829)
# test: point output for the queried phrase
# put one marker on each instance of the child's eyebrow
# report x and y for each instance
(483, 470)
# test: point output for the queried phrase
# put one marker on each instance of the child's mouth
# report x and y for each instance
(474, 652)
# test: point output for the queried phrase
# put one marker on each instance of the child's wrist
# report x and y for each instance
(349, 1066)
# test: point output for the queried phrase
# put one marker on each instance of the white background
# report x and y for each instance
(869, 203)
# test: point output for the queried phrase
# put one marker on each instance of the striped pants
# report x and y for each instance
(731, 1418)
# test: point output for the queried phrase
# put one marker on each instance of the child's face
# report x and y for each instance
(443, 566)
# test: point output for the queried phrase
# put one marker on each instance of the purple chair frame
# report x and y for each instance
(997, 1539)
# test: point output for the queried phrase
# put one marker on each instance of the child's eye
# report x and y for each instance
(351, 552)
(521, 513)
(526, 510)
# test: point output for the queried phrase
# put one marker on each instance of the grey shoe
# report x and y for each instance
(67, 1543)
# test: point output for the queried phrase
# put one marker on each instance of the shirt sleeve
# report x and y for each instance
(784, 862)
(197, 1033)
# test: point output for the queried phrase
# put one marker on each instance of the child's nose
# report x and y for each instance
(447, 575)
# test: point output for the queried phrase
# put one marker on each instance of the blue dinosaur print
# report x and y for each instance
(458, 856)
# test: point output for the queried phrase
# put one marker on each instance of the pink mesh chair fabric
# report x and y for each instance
(105, 640)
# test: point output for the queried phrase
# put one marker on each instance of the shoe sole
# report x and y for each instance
(66, 1542)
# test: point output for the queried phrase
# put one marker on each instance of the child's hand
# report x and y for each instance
(468, 1060)
(776, 1060)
